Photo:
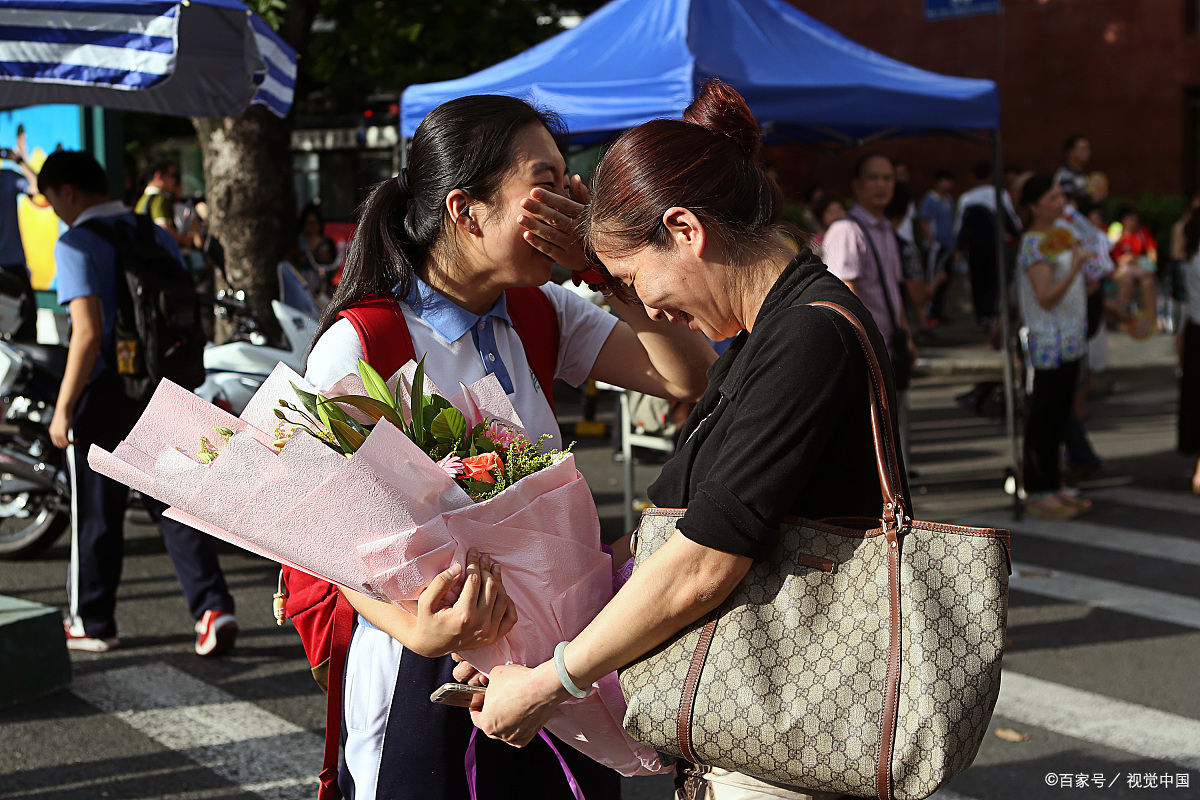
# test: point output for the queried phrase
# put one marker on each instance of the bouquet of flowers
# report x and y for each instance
(382, 485)
(484, 456)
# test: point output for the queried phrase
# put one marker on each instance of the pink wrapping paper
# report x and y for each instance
(387, 520)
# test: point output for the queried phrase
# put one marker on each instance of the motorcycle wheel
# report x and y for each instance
(30, 522)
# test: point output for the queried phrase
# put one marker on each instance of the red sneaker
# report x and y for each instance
(78, 640)
(215, 633)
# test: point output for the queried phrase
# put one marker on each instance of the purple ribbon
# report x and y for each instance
(621, 576)
(469, 763)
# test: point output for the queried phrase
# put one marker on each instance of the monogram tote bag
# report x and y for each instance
(861, 656)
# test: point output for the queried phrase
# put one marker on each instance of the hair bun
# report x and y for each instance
(721, 109)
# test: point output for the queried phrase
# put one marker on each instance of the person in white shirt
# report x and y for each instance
(975, 239)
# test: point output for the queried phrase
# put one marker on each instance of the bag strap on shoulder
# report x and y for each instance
(121, 235)
(386, 341)
(121, 245)
(536, 323)
(895, 510)
(108, 233)
(887, 298)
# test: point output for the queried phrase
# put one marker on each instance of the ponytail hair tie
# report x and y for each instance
(402, 181)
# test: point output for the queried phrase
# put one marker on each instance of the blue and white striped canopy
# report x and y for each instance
(192, 58)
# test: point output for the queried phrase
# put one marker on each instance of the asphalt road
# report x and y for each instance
(1100, 680)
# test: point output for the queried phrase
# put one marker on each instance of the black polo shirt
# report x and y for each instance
(784, 428)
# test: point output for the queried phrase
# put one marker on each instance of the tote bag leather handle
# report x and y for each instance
(895, 511)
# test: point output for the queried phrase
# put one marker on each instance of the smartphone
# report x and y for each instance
(457, 694)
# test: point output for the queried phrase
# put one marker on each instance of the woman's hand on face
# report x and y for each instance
(482, 614)
(518, 702)
(550, 221)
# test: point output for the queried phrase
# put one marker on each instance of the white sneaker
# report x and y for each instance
(216, 633)
(78, 640)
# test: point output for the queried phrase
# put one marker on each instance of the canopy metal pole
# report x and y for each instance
(1010, 411)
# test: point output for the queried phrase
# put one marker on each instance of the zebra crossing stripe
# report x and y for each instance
(254, 749)
(1099, 593)
(1102, 720)
(1107, 537)
(1177, 502)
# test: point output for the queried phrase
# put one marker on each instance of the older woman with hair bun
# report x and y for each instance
(683, 217)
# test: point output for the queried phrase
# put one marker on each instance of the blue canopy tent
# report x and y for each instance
(637, 60)
(195, 58)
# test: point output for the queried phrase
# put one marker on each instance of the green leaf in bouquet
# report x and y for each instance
(472, 437)
(449, 425)
(347, 437)
(333, 410)
(308, 400)
(477, 488)
(418, 404)
(325, 415)
(429, 414)
(372, 407)
(480, 441)
(362, 430)
(376, 385)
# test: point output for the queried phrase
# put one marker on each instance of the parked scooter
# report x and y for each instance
(35, 492)
(239, 366)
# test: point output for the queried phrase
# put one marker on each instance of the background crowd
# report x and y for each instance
(1115, 280)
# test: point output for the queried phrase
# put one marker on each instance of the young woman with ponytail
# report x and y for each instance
(464, 240)
(683, 216)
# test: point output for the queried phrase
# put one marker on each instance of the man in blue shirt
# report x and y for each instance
(12, 252)
(92, 408)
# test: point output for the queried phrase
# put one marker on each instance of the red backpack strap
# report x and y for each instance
(379, 323)
(387, 346)
(343, 628)
(325, 620)
(536, 323)
(308, 603)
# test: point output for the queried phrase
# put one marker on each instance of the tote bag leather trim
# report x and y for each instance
(688, 699)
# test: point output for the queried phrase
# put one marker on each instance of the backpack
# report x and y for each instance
(318, 611)
(157, 332)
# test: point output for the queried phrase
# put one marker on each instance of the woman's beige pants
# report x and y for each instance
(721, 784)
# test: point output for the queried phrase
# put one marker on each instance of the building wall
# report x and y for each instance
(1116, 71)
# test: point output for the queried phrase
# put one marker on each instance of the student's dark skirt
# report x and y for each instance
(426, 742)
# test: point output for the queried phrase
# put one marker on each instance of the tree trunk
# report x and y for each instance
(249, 187)
(252, 203)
